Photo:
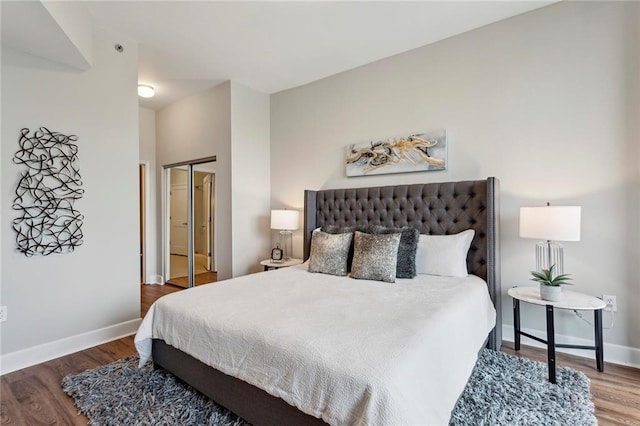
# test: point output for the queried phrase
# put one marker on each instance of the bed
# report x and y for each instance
(290, 388)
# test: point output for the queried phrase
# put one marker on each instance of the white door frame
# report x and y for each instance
(152, 273)
(166, 226)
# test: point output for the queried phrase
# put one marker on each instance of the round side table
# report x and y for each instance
(269, 264)
(570, 300)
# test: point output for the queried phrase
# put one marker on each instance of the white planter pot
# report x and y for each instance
(550, 293)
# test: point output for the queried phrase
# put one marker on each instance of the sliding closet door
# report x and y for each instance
(204, 222)
(178, 196)
(189, 223)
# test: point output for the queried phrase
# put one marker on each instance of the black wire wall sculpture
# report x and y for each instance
(48, 188)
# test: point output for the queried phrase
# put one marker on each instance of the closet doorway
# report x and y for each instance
(189, 223)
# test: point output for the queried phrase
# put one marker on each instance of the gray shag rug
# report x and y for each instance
(507, 390)
(502, 390)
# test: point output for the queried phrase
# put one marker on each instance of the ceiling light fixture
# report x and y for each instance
(146, 91)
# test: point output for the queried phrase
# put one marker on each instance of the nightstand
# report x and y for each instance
(570, 300)
(269, 264)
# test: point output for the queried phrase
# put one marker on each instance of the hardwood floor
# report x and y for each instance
(33, 396)
(149, 293)
(201, 278)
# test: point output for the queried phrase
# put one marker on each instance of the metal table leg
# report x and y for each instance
(551, 345)
(597, 323)
(516, 323)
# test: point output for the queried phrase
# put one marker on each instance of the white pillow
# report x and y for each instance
(444, 255)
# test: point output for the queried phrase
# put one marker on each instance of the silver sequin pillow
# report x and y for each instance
(329, 252)
(375, 256)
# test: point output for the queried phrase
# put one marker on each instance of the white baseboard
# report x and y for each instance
(616, 354)
(154, 279)
(41, 353)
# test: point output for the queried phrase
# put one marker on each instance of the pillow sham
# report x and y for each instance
(375, 256)
(444, 255)
(336, 229)
(406, 264)
(329, 252)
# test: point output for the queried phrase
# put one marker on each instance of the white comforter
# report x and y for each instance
(345, 350)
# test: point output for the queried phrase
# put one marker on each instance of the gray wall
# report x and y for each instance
(90, 295)
(251, 178)
(231, 122)
(147, 119)
(546, 101)
(199, 126)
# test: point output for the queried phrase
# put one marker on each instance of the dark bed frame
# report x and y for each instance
(432, 208)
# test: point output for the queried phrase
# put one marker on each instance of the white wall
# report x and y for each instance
(147, 119)
(61, 303)
(199, 126)
(546, 101)
(2, 214)
(250, 178)
(231, 122)
(74, 20)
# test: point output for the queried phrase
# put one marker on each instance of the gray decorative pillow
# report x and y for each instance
(406, 266)
(337, 229)
(329, 252)
(375, 256)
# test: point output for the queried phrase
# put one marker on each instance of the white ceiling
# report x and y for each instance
(185, 47)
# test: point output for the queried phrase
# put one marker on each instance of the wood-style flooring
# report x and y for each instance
(149, 293)
(199, 279)
(33, 396)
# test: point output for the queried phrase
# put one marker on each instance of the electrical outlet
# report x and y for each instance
(611, 303)
(3, 313)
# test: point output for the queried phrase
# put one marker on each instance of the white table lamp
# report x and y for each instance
(550, 223)
(285, 221)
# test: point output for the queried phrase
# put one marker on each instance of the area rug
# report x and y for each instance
(507, 390)
(502, 390)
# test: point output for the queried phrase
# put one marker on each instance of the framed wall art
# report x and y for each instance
(413, 153)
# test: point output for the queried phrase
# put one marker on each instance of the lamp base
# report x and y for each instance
(287, 244)
(549, 254)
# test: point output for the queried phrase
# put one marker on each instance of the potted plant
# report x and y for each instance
(550, 286)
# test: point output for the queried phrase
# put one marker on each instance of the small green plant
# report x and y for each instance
(546, 277)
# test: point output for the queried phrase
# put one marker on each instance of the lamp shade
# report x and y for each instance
(553, 223)
(286, 220)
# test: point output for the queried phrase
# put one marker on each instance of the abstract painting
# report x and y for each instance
(46, 192)
(414, 153)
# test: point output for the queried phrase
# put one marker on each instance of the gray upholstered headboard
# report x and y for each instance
(432, 208)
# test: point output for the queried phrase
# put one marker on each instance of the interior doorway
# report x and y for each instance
(190, 223)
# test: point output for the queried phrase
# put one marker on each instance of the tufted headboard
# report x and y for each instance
(432, 208)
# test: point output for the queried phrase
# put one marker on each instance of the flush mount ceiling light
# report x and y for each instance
(146, 91)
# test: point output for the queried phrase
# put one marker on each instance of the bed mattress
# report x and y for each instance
(345, 350)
